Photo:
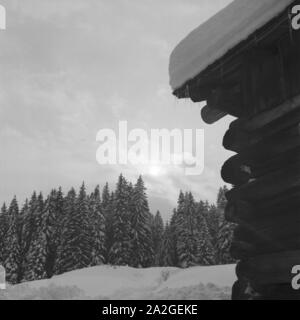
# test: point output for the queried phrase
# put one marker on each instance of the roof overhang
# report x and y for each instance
(204, 48)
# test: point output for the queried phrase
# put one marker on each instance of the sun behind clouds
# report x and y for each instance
(156, 170)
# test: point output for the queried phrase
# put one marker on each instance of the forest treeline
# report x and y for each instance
(64, 232)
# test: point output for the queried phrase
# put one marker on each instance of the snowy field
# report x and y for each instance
(107, 282)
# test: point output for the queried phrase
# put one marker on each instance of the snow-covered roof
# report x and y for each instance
(217, 36)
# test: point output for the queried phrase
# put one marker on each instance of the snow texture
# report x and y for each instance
(107, 282)
(217, 36)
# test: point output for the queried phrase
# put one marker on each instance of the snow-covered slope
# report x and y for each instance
(217, 36)
(106, 282)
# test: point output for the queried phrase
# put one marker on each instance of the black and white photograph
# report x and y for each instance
(150, 151)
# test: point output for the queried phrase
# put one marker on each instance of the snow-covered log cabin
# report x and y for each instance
(245, 62)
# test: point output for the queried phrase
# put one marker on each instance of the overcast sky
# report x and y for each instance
(69, 68)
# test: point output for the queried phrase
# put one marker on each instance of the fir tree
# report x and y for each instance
(22, 216)
(21, 238)
(29, 223)
(157, 234)
(166, 253)
(109, 209)
(4, 224)
(206, 249)
(120, 251)
(213, 223)
(65, 258)
(225, 234)
(187, 233)
(75, 250)
(224, 243)
(11, 244)
(193, 243)
(130, 200)
(142, 245)
(176, 224)
(55, 216)
(98, 225)
(106, 197)
(84, 239)
(212, 220)
(35, 260)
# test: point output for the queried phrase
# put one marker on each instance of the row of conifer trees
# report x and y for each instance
(197, 233)
(59, 233)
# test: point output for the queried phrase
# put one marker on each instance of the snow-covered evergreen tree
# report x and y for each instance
(55, 217)
(29, 223)
(142, 254)
(120, 251)
(11, 245)
(21, 222)
(65, 258)
(166, 253)
(34, 264)
(130, 200)
(206, 250)
(109, 210)
(176, 225)
(157, 235)
(193, 241)
(213, 219)
(98, 225)
(75, 251)
(3, 231)
(225, 234)
(85, 230)
(106, 197)
(224, 243)
(174, 221)
(187, 233)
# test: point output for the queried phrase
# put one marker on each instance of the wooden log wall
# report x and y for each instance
(265, 201)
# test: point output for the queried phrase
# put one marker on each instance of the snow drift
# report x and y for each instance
(107, 282)
(217, 36)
